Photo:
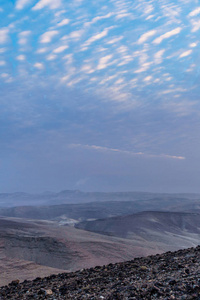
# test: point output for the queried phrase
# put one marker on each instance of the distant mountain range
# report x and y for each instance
(76, 196)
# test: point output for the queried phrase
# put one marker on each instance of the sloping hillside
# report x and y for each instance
(174, 229)
(38, 248)
(167, 276)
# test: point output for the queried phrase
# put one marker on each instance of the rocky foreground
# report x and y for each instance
(172, 275)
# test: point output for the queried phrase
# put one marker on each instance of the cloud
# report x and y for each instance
(2, 63)
(196, 25)
(144, 67)
(4, 75)
(23, 37)
(195, 12)
(186, 53)
(193, 45)
(158, 56)
(148, 78)
(146, 36)
(87, 69)
(51, 57)
(22, 3)
(60, 49)
(52, 4)
(115, 40)
(124, 15)
(103, 62)
(125, 152)
(42, 50)
(63, 22)
(76, 35)
(39, 66)
(48, 36)
(98, 18)
(3, 35)
(167, 35)
(96, 37)
(21, 57)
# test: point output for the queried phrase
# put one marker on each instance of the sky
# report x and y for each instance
(100, 95)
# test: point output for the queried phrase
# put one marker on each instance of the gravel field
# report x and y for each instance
(172, 275)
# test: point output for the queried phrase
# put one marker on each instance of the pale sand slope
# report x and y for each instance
(29, 249)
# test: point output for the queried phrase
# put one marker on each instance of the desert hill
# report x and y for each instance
(172, 275)
(170, 229)
(99, 210)
(31, 248)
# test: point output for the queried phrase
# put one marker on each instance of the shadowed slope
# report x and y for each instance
(173, 229)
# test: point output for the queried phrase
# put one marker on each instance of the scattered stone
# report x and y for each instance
(172, 275)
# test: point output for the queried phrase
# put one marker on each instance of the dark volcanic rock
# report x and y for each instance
(172, 275)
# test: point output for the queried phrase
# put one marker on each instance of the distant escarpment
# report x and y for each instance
(172, 275)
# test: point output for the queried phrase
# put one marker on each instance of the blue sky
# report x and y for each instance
(99, 95)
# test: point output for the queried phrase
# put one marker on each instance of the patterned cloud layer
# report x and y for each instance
(114, 77)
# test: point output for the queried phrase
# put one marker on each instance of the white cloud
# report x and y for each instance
(193, 45)
(124, 152)
(146, 36)
(39, 66)
(158, 56)
(196, 25)
(195, 12)
(125, 60)
(63, 22)
(23, 37)
(87, 69)
(122, 49)
(51, 57)
(7, 78)
(69, 58)
(150, 17)
(186, 53)
(60, 49)
(48, 36)
(2, 63)
(167, 35)
(108, 79)
(22, 3)
(96, 19)
(76, 35)
(4, 75)
(52, 4)
(143, 68)
(96, 37)
(42, 50)
(119, 81)
(124, 15)
(21, 57)
(60, 12)
(103, 62)
(148, 78)
(3, 35)
(115, 40)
